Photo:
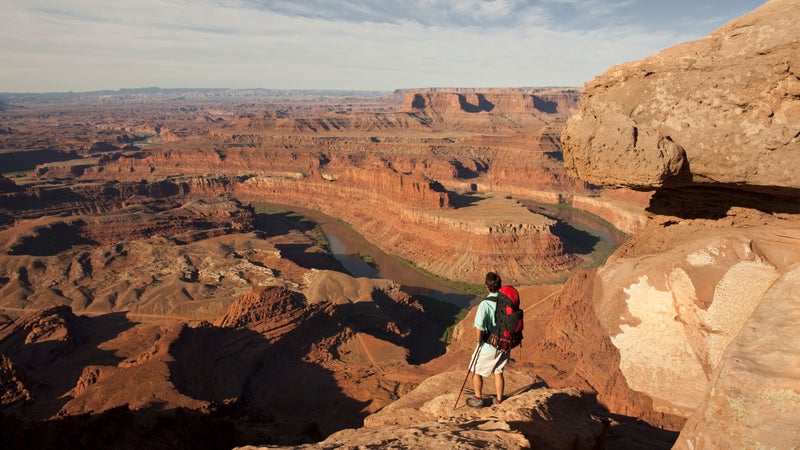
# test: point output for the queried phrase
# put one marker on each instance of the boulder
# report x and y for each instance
(722, 109)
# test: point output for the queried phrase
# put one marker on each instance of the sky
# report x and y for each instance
(382, 45)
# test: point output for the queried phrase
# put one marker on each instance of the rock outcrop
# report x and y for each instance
(572, 338)
(273, 307)
(536, 417)
(696, 300)
(688, 302)
(755, 400)
(459, 101)
(724, 109)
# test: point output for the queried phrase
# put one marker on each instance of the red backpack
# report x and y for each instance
(509, 319)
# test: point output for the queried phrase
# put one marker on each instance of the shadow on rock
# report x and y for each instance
(714, 202)
(274, 380)
(299, 254)
(122, 428)
(50, 348)
(398, 323)
(463, 200)
(630, 432)
(50, 240)
(575, 241)
(280, 223)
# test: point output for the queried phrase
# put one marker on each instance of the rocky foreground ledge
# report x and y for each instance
(533, 416)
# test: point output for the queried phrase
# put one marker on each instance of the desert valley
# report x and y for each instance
(218, 268)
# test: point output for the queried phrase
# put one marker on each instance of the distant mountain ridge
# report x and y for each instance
(284, 93)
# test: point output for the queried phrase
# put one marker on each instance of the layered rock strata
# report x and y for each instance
(461, 244)
(405, 215)
(390, 175)
(449, 102)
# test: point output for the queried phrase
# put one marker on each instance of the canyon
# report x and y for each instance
(157, 289)
(150, 236)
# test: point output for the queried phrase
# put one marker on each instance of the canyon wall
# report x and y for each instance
(697, 302)
(457, 101)
(459, 244)
(396, 177)
(627, 216)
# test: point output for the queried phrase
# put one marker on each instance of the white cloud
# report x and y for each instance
(313, 44)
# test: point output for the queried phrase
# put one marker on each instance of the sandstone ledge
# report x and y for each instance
(425, 418)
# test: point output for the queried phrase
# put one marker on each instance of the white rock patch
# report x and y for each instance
(735, 297)
(655, 356)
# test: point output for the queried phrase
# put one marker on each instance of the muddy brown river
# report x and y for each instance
(347, 245)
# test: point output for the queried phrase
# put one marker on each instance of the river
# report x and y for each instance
(580, 220)
(347, 246)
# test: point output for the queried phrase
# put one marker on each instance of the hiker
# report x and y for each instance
(487, 360)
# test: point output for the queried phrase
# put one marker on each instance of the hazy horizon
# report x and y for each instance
(87, 45)
(144, 89)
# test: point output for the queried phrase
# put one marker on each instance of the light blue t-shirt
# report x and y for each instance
(484, 317)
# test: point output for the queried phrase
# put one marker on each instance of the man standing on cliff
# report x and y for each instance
(487, 360)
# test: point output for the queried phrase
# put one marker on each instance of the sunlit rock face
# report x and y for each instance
(672, 311)
(698, 303)
(722, 109)
(755, 400)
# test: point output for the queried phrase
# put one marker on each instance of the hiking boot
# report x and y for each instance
(475, 402)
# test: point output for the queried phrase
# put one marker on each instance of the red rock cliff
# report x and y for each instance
(693, 301)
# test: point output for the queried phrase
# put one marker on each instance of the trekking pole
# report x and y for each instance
(469, 369)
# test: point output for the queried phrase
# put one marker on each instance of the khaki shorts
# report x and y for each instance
(490, 360)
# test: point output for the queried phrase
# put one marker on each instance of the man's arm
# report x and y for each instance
(478, 335)
(479, 324)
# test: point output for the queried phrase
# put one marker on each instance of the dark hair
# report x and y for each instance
(493, 282)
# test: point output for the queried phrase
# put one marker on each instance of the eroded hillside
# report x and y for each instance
(138, 244)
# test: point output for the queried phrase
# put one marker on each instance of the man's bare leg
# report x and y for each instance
(499, 385)
(477, 383)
